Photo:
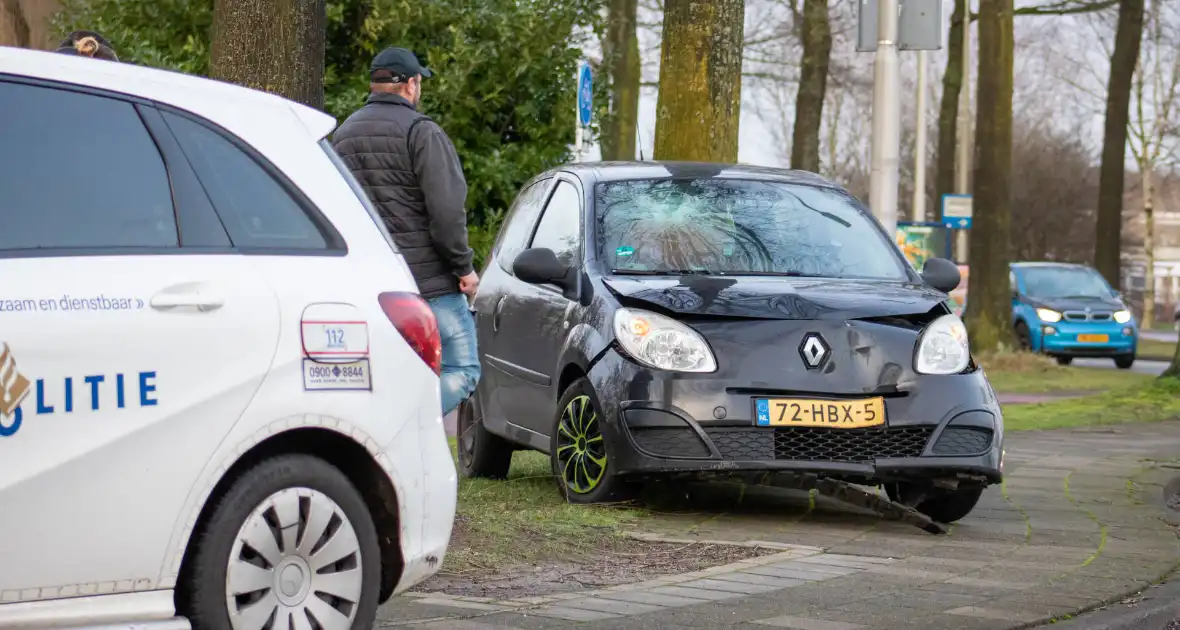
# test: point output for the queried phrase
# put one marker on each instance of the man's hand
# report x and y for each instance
(469, 283)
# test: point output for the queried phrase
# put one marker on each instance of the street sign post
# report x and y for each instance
(957, 211)
(919, 25)
(585, 105)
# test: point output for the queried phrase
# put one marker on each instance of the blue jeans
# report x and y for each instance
(460, 357)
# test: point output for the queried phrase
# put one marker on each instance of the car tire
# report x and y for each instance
(228, 559)
(578, 450)
(944, 507)
(1023, 336)
(481, 452)
(1063, 360)
(1124, 362)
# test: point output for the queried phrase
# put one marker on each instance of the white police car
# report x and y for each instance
(219, 401)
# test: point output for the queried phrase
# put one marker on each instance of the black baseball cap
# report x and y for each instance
(401, 64)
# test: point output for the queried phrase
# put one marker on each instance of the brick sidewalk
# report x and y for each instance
(1076, 524)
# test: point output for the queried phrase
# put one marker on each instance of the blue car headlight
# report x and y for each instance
(1122, 316)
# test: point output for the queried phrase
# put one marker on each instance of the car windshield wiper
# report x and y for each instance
(663, 272)
(789, 274)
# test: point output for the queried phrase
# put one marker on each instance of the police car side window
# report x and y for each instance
(79, 171)
(255, 208)
(519, 224)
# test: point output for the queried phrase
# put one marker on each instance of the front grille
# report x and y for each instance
(963, 441)
(669, 441)
(1083, 316)
(819, 444)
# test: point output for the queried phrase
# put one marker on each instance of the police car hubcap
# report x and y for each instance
(296, 563)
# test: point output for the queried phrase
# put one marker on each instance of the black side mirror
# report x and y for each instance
(539, 265)
(941, 274)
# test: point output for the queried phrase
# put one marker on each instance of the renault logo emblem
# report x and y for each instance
(814, 350)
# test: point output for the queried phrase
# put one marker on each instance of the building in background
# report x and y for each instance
(1167, 247)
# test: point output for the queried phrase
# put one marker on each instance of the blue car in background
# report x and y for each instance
(1067, 310)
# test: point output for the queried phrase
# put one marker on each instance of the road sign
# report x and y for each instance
(585, 94)
(919, 25)
(957, 211)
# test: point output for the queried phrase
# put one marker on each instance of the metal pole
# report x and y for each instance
(919, 210)
(965, 141)
(886, 142)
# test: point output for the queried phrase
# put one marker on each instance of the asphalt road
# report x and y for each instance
(1155, 368)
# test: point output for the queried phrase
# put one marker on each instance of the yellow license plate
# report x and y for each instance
(835, 414)
(1093, 338)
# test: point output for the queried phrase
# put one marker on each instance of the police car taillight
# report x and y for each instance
(412, 317)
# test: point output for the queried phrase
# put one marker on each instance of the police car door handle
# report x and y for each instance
(200, 300)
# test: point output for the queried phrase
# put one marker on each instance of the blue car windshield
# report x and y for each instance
(1065, 282)
(739, 227)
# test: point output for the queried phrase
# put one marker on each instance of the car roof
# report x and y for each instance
(593, 172)
(216, 101)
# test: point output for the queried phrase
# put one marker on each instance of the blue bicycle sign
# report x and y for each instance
(585, 93)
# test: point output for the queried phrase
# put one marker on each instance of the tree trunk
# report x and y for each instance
(1114, 139)
(990, 306)
(14, 27)
(1173, 370)
(1148, 320)
(700, 98)
(813, 80)
(272, 45)
(622, 63)
(948, 110)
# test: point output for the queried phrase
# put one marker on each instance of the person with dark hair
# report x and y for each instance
(87, 44)
(411, 172)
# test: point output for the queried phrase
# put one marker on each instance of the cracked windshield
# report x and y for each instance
(739, 227)
(602, 314)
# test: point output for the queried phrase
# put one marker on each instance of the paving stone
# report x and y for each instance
(992, 613)
(964, 589)
(816, 568)
(840, 561)
(615, 606)
(797, 574)
(807, 623)
(968, 580)
(456, 603)
(572, 614)
(916, 574)
(766, 580)
(955, 563)
(732, 587)
(703, 594)
(931, 601)
(461, 624)
(650, 597)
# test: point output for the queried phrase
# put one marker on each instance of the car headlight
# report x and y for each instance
(662, 342)
(1048, 315)
(942, 347)
(1122, 317)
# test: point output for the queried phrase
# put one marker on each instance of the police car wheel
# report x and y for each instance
(290, 544)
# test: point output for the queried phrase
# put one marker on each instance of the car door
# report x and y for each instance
(534, 319)
(497, 282)
(131, 338)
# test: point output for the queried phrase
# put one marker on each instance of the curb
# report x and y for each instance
(1093, 614)
(1158, 606)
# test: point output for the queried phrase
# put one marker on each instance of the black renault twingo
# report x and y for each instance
(640, 320)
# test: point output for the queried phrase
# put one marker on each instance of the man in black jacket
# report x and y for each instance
(411, 172)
